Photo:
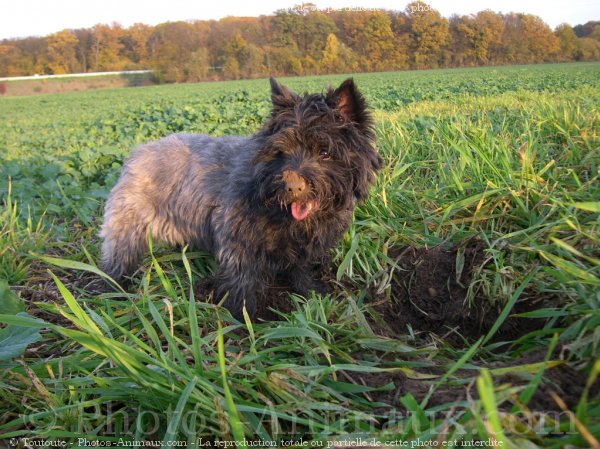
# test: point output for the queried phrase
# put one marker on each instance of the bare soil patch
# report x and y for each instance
(429, 293)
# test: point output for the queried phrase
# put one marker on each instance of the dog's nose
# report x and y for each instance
(296, 186)
(294, 183)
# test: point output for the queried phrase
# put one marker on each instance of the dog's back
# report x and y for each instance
(171, 186)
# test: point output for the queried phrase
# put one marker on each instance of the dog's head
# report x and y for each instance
(317, 152)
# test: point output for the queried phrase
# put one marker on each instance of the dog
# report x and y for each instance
(264, 206)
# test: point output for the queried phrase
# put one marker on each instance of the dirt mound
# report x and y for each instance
(429, 293)
(564, 380)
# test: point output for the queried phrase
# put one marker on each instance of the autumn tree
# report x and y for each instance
(107, 48)
(85, 40)
(303, 31)
(24, 56)
(254, 63)
(134, 42)
(235, 56)
(543, 44)
(62, 52)
(401, 28)
(282, 61)
(197, 66)
(587, 49)
(429, 35)
(9, 57)
(369, 34)
(587, 28)
(476, 39)
(231, 68)
(337, 57)
(170, 47)
(462, 31)
(489, 28)
(306, 28)
(567, 40)
(527, 39)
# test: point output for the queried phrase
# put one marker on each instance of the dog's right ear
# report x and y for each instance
(352, 104)
(281, 96)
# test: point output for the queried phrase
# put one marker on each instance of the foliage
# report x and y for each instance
(14, 339)
(300, 41)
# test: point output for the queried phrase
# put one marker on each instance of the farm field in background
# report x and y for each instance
(67, 83)
(465, 300)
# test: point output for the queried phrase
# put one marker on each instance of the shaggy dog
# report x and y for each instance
(264, 206)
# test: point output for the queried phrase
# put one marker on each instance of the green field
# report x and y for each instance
(465, 302)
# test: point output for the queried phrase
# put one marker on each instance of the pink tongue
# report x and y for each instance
(301, 211)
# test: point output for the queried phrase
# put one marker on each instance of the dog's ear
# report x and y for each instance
(281, 96)
(351, 104)
(365, 161)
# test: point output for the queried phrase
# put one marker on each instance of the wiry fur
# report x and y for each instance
(232, 196)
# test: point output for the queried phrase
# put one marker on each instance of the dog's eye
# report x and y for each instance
(324, 153)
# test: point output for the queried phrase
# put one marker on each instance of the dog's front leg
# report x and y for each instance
(301, 280)
(242, 286)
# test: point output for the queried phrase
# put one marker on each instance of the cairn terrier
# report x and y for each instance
(264, 206)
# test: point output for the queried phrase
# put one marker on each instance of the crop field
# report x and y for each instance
(465, 299)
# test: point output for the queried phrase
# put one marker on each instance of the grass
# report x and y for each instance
(506, 157)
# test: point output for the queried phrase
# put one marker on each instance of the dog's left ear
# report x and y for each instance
(365, 161)
(351, 104)
(281, 96)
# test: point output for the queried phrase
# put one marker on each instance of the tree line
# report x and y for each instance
(303, 41)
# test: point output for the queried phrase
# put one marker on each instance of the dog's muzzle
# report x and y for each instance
(295, 185)
(297, 190)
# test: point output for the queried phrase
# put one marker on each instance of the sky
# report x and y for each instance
(23, 18)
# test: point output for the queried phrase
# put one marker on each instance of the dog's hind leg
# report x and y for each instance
(125, 231)
(123, 249)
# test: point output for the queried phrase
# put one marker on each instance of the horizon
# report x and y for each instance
(52, 17)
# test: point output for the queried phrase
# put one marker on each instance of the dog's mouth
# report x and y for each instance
(302, 210)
